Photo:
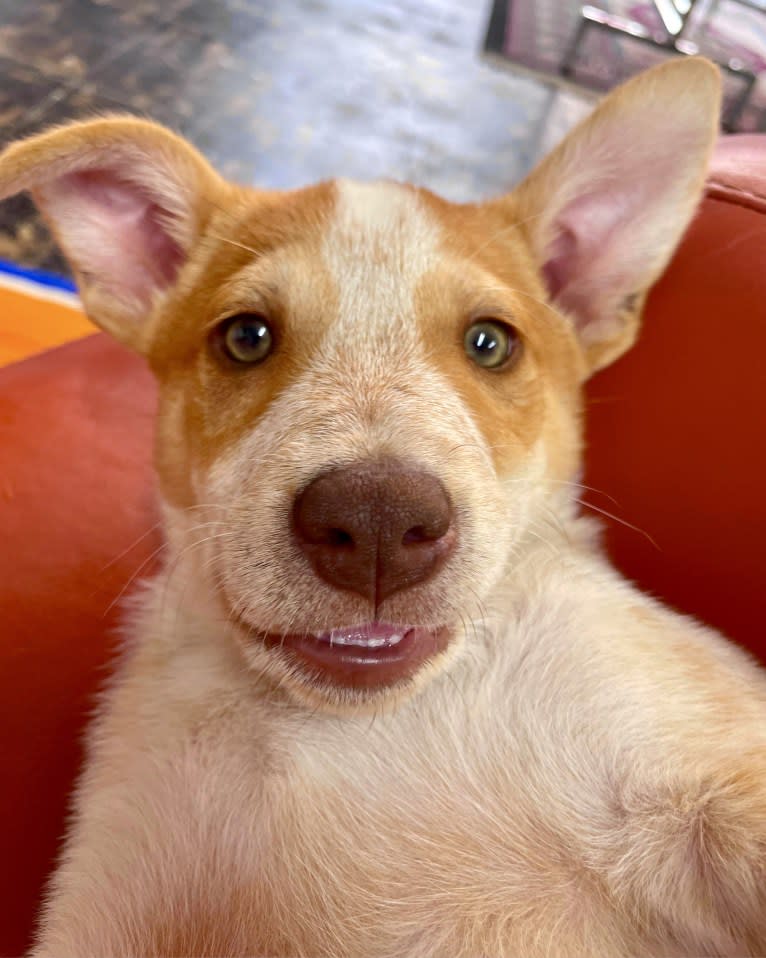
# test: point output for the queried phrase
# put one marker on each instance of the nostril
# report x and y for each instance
(422, 533)
(416, 534)
(339, 538)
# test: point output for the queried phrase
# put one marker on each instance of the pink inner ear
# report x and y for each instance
(117, 234)
(590, 259)
(557, 267)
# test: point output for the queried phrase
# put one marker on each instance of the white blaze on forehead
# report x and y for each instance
(381, 241)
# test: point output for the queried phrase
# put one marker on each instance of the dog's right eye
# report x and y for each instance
(246, 338)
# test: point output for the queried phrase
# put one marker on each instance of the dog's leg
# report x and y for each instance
(691, 852)
(687, 843)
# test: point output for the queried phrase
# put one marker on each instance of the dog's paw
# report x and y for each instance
(692, 857)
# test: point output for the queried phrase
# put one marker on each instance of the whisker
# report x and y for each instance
(623, 522)
(130, 547)
(186, 550)
(231, 242)
(502, 232)
(568, 482)
(133, 578)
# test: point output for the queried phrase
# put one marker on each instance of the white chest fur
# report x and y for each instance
(483, 817)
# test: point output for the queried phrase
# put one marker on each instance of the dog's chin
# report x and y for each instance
(370, 664)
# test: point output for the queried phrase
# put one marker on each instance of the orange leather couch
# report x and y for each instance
(677, 449)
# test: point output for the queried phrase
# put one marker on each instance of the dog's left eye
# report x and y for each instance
(247, 338)
(490, 343)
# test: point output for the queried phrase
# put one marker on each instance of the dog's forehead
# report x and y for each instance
(350, 263)
(380, 243)
(383, 224)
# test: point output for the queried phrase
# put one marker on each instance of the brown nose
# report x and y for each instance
(375, 527)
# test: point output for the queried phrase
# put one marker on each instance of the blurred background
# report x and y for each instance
(458, 95)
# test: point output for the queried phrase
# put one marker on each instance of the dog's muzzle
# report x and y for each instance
(373, 528)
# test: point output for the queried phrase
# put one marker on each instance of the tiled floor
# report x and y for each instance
(281, 92)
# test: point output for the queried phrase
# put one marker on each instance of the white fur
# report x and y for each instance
(489, 811)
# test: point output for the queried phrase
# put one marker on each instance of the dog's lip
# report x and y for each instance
(364, 656)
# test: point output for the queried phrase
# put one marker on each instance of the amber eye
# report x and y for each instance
(490, 343)
(247, 338)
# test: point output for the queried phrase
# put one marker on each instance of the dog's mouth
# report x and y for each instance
(366, 656)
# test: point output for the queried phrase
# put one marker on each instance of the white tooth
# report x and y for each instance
(358, 639)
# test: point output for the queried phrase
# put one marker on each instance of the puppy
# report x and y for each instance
(388, 698)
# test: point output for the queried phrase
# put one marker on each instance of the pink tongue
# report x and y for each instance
(370, 635)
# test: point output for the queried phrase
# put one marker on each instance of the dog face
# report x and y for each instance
(370, 397)
(369, 460)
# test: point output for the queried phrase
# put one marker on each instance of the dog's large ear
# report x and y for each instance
(605, 210)
(126, 199)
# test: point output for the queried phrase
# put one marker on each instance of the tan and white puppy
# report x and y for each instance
(388, 698)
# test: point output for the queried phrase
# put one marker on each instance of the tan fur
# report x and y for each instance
(582, 772)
